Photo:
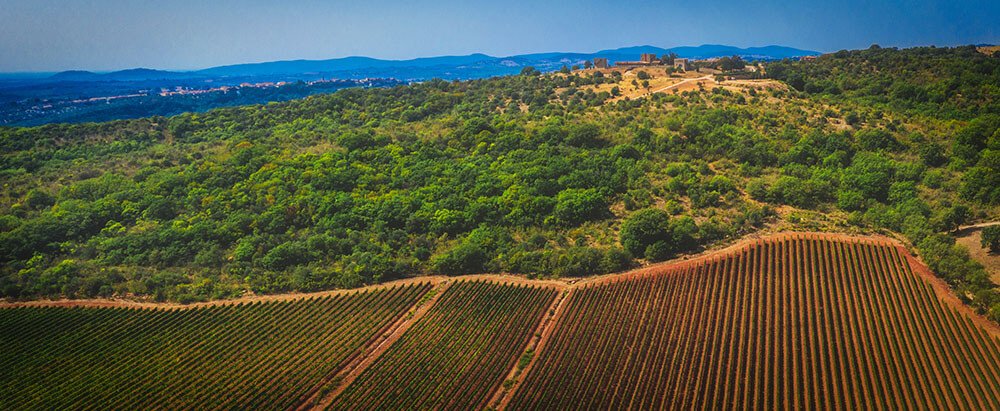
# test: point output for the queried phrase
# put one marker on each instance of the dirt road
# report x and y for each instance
(675, 85)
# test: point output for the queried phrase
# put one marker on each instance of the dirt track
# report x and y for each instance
(433, 279)
(346, 376)
(685, 81)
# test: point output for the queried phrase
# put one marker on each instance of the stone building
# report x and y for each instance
(600, 62)
(681, 64)
(649, 58)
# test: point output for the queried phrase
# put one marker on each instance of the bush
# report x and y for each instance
(37, 199)
(991, 238)
(616, 259)
(659, 251)
(876, 140)
(644, 228)
(584, 135)
(932, 154)
(575, 206)
(651, 233)
(758, 189)
(871, 174)
(286, 255)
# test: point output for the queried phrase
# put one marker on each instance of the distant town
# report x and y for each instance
(71, 107)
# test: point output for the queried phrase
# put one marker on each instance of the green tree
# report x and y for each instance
(871, 174)
(651, 233)
(37, 199)
(991, 238)
(575, 206)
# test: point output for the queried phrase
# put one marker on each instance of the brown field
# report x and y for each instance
(807, 321)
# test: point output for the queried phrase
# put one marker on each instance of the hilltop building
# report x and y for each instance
(681, 64)
(646, 59)
(600, 62)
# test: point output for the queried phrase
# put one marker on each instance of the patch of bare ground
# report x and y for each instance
(988, 50)
(971, 237)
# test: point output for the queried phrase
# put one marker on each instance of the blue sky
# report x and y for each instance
(53, 35)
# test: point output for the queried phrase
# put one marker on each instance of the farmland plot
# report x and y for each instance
(456, 356)
(262, 355)
(799, 321)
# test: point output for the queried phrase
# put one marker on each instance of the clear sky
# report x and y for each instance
(53, 35)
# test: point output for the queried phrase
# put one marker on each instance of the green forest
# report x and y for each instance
(533, 174)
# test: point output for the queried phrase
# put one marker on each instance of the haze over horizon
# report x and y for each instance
(105, 35)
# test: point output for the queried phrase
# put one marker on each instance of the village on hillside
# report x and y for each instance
(670, 74)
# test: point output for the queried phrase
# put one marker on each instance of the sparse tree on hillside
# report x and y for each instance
(991, 238)
(587, 64)
(732, 63)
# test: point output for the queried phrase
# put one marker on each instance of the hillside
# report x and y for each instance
(808, 319)
(552, 175)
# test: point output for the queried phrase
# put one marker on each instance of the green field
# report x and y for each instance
(457, 356)
(244, 356)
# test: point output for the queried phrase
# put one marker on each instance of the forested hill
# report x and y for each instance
(957, 83)
(549, 175)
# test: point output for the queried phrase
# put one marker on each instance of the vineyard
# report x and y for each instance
(239, 356)
(798, 322)
(457, 355)
(804, 321)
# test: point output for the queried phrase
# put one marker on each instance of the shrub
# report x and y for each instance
(651, 233)
(871, 174)
(286, 255)
(37, 199)
(644, 228)
(575, 206)
(584, 135)
(877, 139)
(991, 238)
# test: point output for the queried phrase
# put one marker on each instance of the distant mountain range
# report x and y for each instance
(448, 67)
(77, 96)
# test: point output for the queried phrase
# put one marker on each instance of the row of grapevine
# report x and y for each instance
(794, 322)
(262, 355)
(457, 355)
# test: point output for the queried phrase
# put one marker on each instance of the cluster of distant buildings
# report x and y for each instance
(183, 91)
(647, 59)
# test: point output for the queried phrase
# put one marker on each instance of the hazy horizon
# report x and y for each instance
(109, 35)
